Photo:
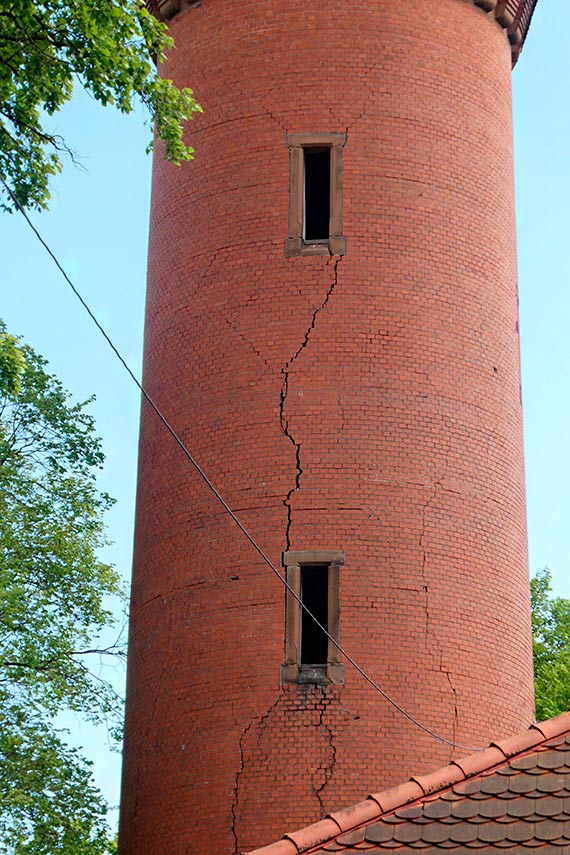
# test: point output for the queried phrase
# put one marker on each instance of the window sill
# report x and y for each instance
(330, 674)
(334, 245)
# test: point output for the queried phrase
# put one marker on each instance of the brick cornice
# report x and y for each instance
(514, 16)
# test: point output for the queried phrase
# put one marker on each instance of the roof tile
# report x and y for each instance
(282, 847)
(440, 779)
(351, 837)
(521, 808)
(521, 742)
(558, 741)
(408, 832)
(435, 833)
(518, 832)
(437, 809)
(526, 762)
(491, 832)
(533, 844)
(356, 815)
(505, 819)
(466, 809)
(397, 796)
(393, 819)
(564, 770)
(551, 760)
(475, 763)
(312, 835)
(551, 782)
(551, 806)
(450, 796)
(507, 770)
(462, 850)
(494, 785)
(468, 788)
(463, 833)
(524, 783)
(411, 812)
(492, 808)
(548, 829)
(554, 726)
(379, 832)
(513, 797)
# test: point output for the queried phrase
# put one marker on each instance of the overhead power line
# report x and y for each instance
(175, 436)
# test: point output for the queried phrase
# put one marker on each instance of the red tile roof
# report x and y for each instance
(512, 797)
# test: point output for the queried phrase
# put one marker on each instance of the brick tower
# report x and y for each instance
(332, 329)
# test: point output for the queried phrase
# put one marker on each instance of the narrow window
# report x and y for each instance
(312, 656)
(317, 193)
(315, 597)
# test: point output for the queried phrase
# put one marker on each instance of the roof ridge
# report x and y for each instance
(417, 788)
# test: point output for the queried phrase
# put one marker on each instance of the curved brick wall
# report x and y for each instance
(402, 398)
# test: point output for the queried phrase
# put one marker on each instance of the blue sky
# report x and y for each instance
(98, 227)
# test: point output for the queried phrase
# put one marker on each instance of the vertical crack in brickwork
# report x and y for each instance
(455, 709)
(261, 721)
(424, 558)
(327, 766)
(342, 416)
(283, 420)
(424, 571)
(144, 733)
(164, 668)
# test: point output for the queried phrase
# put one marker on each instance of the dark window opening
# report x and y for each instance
(313, 579)
(317, 193)
(315, 197)
(315, 596)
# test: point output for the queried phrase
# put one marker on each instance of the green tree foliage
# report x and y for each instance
(53, 595)
(110, 47)
(551, 647)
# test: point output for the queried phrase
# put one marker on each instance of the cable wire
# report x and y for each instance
(218, 495)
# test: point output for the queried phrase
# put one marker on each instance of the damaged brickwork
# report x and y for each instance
(296, 736)
(368, 404)
(286, 371)
(433, 640)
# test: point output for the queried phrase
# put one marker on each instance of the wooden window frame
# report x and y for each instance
(295, 244)
(291, 670)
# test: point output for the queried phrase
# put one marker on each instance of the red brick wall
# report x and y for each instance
(404, 404)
